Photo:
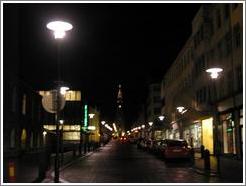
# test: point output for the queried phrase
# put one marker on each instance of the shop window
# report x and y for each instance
(228, 135)
(207, 134)
(23, 138)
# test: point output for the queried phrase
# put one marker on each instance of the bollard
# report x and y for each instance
(206, 160)
(202, 151)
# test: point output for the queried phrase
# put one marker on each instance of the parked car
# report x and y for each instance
(170, 149)
(156, 146)
(149, 145)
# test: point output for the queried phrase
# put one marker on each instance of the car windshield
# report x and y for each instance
(176, 143)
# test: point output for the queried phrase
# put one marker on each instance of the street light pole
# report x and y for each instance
(214, 73)
(59, 29)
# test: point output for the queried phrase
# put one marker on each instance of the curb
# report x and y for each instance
(206, 173)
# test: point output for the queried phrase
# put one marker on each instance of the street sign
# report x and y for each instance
(53, 102)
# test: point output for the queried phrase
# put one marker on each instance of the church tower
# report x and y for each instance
(119, 111)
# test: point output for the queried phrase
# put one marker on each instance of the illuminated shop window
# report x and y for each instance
(69, 96)
(23, 138)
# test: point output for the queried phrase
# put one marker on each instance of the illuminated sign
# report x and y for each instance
(85, 116)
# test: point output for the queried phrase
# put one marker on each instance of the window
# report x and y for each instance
(218, 19)
(12, 138)
(227, 41)
(24, 104)
(227, 11)
(163, 101)
(156, 99)
(219, 50)
(14, 99)
(237, 35)
(201, 95)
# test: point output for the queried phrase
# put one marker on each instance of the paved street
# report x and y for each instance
(124, 163)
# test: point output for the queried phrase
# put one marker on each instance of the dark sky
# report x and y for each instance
(131, 44)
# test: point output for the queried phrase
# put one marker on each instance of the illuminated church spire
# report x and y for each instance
(119, 98)
(119, 111)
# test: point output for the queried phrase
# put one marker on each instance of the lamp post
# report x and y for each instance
(150, 125)
(59, 29)
(214, 73)
(181, 110)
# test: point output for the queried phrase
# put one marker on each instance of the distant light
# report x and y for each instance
(91, 115)
(214, 72)
(180, 109)
(139, 128)
(150, 123)
(161, 118)
(119, 106)
(103, 122)
(59, 28)
(63, 90)
(91, 128)
(143, 126)
(61, 121)
(44, 133)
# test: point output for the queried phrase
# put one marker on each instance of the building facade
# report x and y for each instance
(216, 41)
(153, 110)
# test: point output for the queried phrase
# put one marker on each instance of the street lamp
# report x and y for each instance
(150, 123)
(59, 29)
(103, 122)
(91, 116)
(161, 118)
(63, 90)
(214, 73)
(180, 109)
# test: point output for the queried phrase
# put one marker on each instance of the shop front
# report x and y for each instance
(192, 134)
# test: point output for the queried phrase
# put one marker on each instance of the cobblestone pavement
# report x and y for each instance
(124, 163)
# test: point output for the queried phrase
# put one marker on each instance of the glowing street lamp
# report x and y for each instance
(91, 115)
(150, 123)
(180, 109)
(63, 90)
(161, 118)
(214, 72)
(103, 122)
(59, 28)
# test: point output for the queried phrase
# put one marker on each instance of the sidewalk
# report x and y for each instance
(231, 170)
(199, 165)
(50, 174)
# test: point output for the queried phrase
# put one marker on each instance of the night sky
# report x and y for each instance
(130, 44)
